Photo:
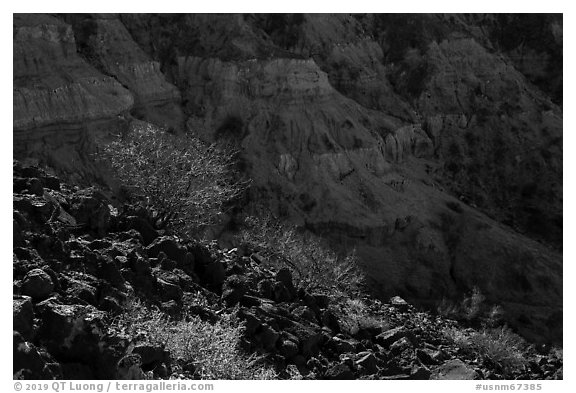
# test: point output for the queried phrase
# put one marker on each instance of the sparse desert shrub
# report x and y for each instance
(185, 182)
(470, 309)
(472, 304)
(212, 348)
(353, 315)
(458, 337)
(314, 265)
(501, 346)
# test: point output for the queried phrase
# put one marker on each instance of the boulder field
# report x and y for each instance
(78, 262)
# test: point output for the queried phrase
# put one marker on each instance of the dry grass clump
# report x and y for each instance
(212, 348)
(354, 315)
(314, 265)
(472, 309)
(501, 346)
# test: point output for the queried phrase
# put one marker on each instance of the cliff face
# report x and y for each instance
(52, 84)
(59, 97)
(418, 140)
(105, 40)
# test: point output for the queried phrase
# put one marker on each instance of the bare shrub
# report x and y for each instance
(501, 346)
(314, 265)
(185, 182)
(212, 348)
(353, 316)
(471, 308)
(458, 337)
(472, 305)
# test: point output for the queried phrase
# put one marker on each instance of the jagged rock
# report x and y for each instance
(64, 327)
(250, 301)
(330, 320)
(165, 262)
(168, 246)
(139, 264)
(23, 316)
(252, 322)
(427, 356)
(310, 341)
(171, 307)
(288, 349)
(558, 374)
(268, 337)
(99, 244)
(81, 291)
(339, 371)
(420, 372)
(19, 184)
(400, 345)
(185, 281)
(111, 305)
(440, 356)
(390, 336)
(18, 239)
(233, 289)
(397, 377)
(341, 345)
(368, 362)
(29, 363)
(399, 303)
(266, 288)
(129, 368)
(37, 284)
(131, 235)
(76, 370)
(282, 293)
(143, 227)
(35, 186)
(214, 274)
(51, 182)
(33, 207)
(304, 312)
(454, 369)
(108, 271)
(321, 300)
(151, 355)
(284, 276)
(89, 207)
(169, 291)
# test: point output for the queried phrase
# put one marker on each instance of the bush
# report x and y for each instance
(212, 348)
(500, 346)
(470, 309)
(313, 264)
(353, 316)
(185, 182)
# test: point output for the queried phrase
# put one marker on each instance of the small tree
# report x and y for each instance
(183, 181)
(314, 264)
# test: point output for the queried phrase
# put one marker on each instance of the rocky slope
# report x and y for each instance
(422, 141)
(78, 262)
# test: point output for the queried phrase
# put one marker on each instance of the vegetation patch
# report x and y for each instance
(207, 350)
(500, 347)
(313, 264)
(186, 183)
